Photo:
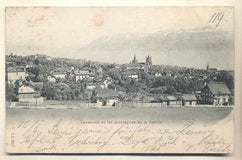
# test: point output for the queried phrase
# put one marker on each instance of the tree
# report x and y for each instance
(48, 90)
(36, 73)
(17, 85)
(170, 90)
(159, 90)
(227, 78)
(10, 93)
(111, 86)
(94, 97)
(36, 62)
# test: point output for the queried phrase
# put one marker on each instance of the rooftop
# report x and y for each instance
(189, 97)
(15, 69)
(82, 72)
(129, 73)
(59, 73)
(218, 88)
(26, 89)
(106, 93)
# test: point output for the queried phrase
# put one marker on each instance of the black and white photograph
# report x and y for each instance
(146, 80)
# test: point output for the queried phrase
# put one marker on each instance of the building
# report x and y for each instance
(107, 97)
(59, 75)
(189, 100)
(168, 100)
(216, 93)
(107, 81)
(158, 74)
(27, 94)
(173, 100)
(42, 57)
(130, 74)
(198, 95)
(29, 65)
(50, 78)
(148, 61)
(211, 69)
(99, 70)
(91, 86)
(134, 64)
(16, 73)
(82, 74)
(163, 100)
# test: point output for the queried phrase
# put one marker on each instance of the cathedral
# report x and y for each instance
(147, 64)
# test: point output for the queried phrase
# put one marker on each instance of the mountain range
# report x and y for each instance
(204, 38)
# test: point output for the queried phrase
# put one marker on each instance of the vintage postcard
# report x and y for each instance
(119, 80)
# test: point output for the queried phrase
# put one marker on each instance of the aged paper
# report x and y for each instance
(72, 94)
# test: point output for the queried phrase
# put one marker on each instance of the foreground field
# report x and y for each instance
(174, 115)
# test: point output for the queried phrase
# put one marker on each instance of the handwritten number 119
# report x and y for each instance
(216, 18)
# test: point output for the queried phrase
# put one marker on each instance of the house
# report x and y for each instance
(99, 70)
(58, 74)
(198, 94)
(107, 82)
(16, 73)
(91, 86)
(51, 78)
(189, 100)
(135, 66)
(158, 74)
(118, 66)
(130, 74)
(29, 65)
(48, 58)
(42, 57)
(211, 69)
(168, 100)
(82, 74)
(173, 100)
(163, 100)
(108, 97)
(29, 95)
(216, 93)
(91, 76)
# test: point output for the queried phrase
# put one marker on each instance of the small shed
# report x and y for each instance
(108, 97)
(189, 100)
(164, 100)
(173, 100)
(29, 95)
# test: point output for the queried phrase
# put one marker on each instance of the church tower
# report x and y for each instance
(148, 60)
(207, 67)
(134, 60)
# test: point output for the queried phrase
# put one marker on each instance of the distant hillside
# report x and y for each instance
(205, 38)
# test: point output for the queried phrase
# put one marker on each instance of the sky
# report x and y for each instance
(61, 31)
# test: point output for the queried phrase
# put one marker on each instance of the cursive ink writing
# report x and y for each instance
(60, 136)
(216, 18)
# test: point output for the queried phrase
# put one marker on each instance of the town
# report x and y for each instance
(43, 81)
